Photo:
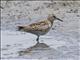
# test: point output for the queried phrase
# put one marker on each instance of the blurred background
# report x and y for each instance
(25, 12)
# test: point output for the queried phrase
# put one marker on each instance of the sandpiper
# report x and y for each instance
(40, 28)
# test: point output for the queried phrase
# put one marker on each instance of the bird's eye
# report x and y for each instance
(54, 16)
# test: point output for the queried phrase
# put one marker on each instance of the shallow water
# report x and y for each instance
(13, 43)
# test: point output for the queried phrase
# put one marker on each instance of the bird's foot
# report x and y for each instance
(38, 42)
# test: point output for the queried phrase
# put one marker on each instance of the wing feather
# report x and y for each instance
(40, 25)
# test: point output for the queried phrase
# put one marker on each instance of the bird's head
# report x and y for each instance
(53, 17)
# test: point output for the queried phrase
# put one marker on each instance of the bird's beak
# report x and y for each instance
(59, 19)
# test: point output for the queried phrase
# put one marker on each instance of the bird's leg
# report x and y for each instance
(37, 39)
